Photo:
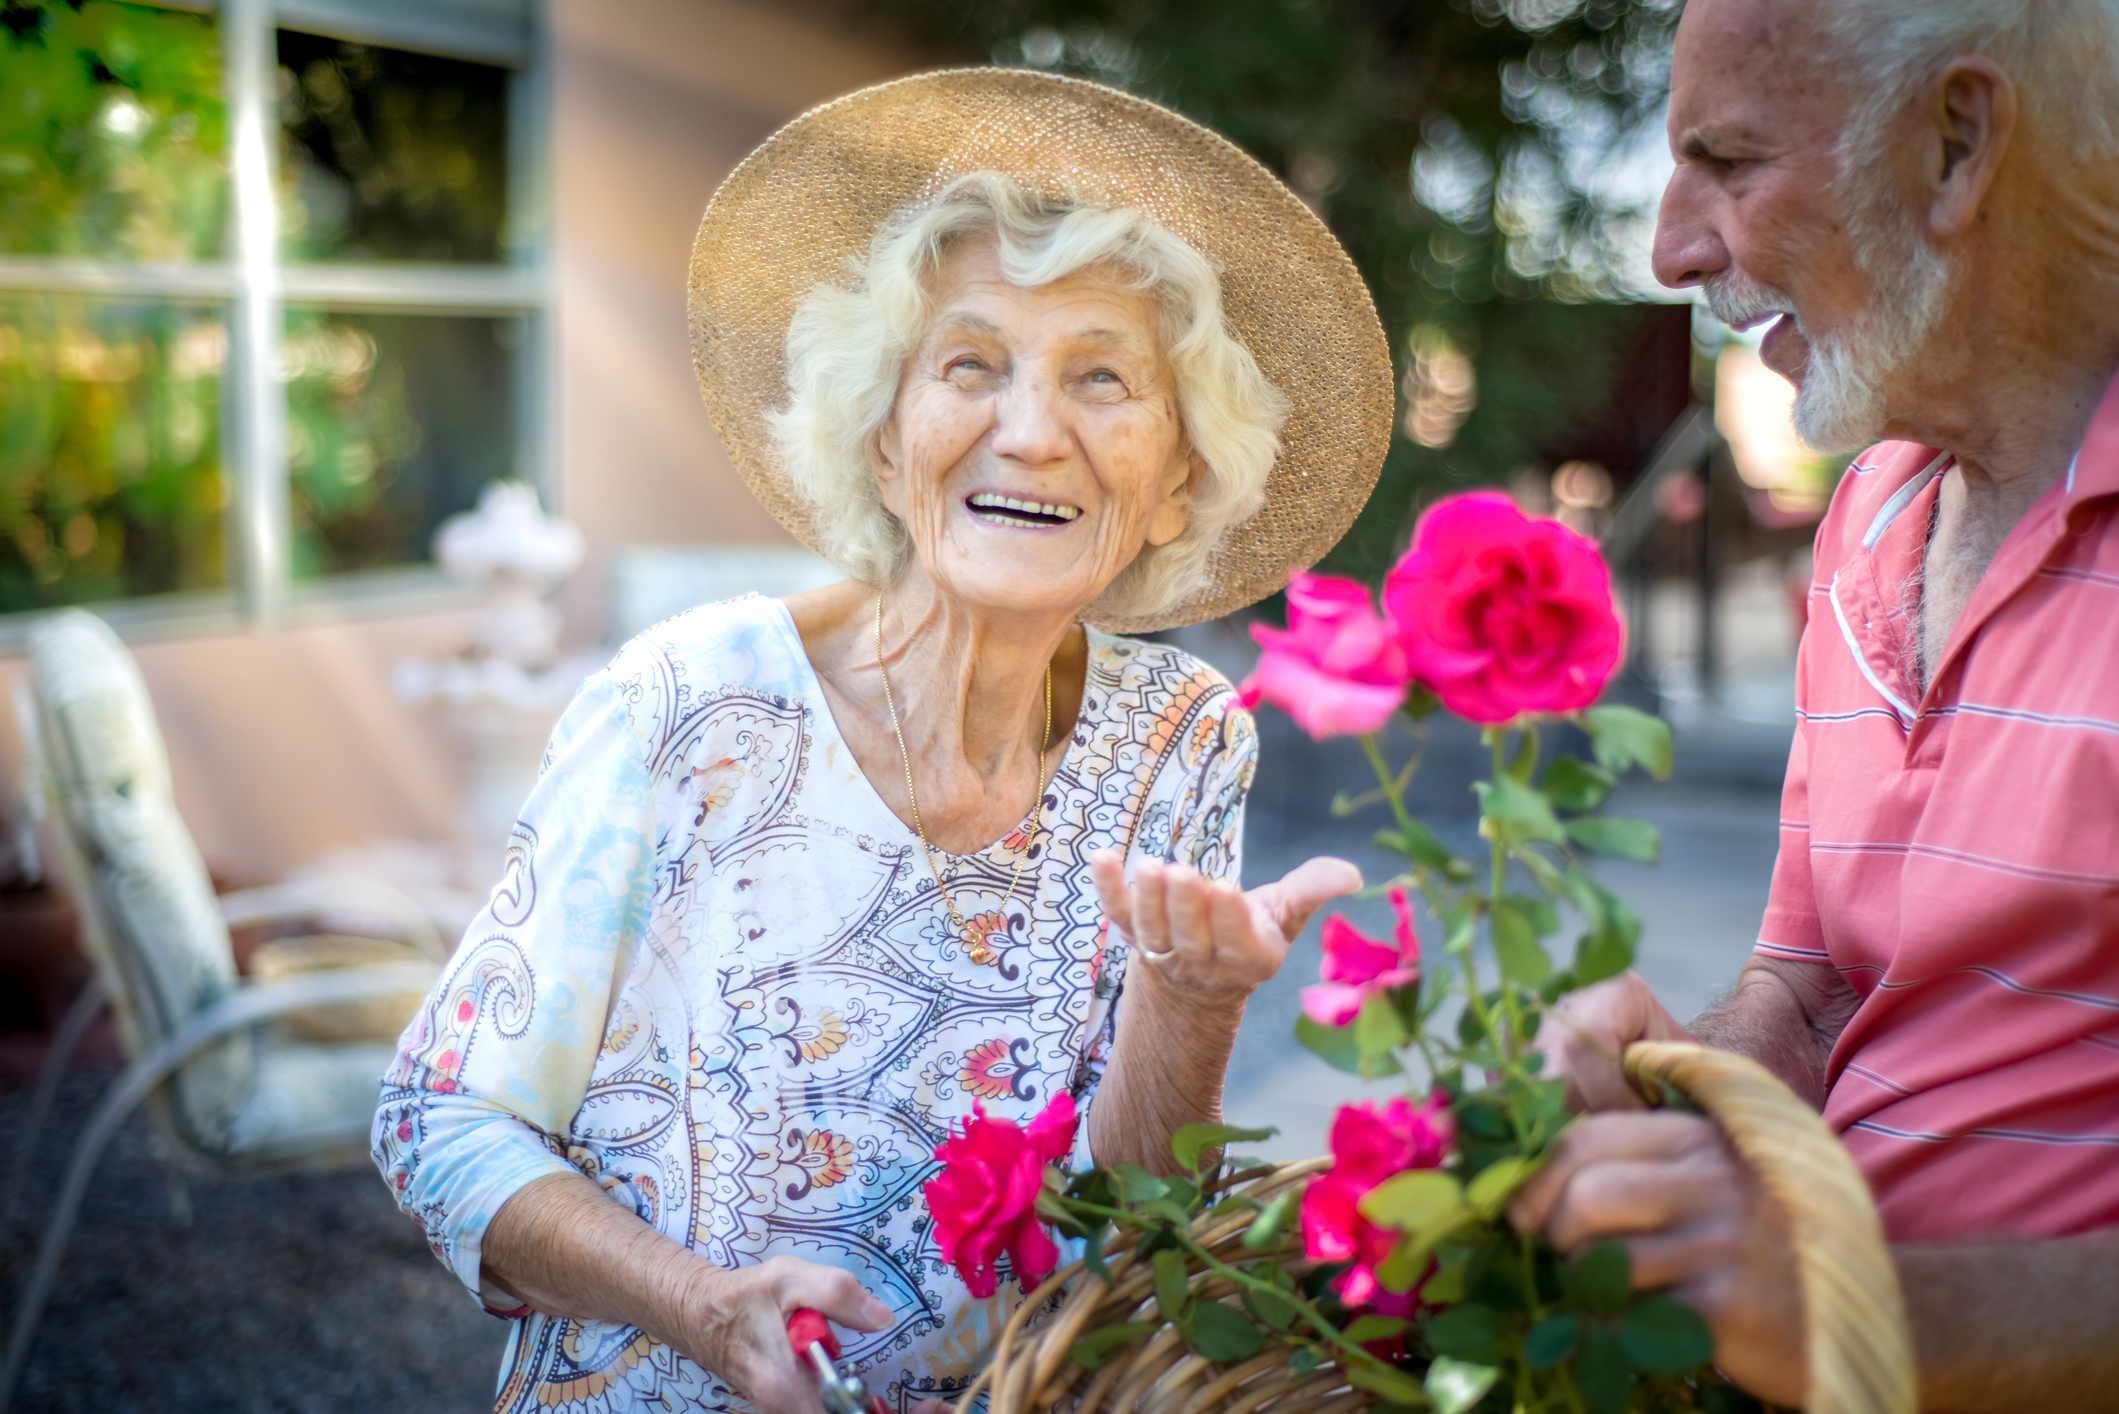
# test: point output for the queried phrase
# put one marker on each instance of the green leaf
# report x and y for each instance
(1053, 1209)
(1457, 1385)
(1573, 784)
(1337, 1048)
(1516, 946)
(1367, 1328)
(1515, 812)
(1543, 920)
(1305, 1360)
(1093, 1349)
(1275, 1311)
(1189, 1142)
(1626, 839)
(1419, 702)
(1603, 1376)
(1608, 950)
(1407, 1263)
(1378, 1030)
(1551, 1340)
(1458, 928)
(1136, 1184)
(1664, 1336)
(1093, 1254)
(1446, 1286)
(1413, 1200)
(1466, 1332)
(1265, 1228)
(1417, 843)
(1497, 1182)
(1219, 1332)
(1600, 1280)
(1235, 1203)
(1624, 737)
(1379, 1378)
(1172, 1283)
(1549, 878)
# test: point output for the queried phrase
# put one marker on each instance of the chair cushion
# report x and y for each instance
(146, 900)
(371, 1019)
(309, 1099)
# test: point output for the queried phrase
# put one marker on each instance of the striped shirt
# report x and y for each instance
(1954, 852)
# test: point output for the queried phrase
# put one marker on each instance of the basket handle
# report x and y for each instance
(1854, 1316)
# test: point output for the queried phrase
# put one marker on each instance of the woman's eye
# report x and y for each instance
(1104, 376)
(968, 365)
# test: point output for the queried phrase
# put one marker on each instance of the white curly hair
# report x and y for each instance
(846, 349)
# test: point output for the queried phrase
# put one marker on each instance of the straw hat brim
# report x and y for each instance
(814, 194)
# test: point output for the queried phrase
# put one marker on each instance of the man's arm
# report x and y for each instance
(2015, 1324)
(1787, 1017)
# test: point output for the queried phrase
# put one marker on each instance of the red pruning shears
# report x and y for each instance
(814, 1344)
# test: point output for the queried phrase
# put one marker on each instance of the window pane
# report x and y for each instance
(395, 421)
(111, 134)
(387, 155)
(110, 461)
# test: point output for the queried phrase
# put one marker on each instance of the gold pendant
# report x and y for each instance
(983, 955)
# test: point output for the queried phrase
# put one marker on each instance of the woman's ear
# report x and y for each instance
(886, 458)
(1174, 511)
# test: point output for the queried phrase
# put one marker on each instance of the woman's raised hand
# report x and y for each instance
(734, 1322)
(1209, 938)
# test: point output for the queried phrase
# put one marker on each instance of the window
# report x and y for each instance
(272, 300)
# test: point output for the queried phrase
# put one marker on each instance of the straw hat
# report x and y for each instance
(817, 190)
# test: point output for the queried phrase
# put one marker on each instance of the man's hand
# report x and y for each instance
(733, 1321)
(1694, 1219)
(1584, 1036)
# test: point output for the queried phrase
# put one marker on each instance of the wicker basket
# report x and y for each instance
(1860, 1351)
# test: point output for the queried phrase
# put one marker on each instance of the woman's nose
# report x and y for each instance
(1030, 427)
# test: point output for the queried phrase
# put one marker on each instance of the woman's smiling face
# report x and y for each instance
(1035, 447)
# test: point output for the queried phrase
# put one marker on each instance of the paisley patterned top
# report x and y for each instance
(717, 978)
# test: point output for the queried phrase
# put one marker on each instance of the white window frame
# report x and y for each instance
(255, 286)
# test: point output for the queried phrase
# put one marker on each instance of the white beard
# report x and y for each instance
(1839, 405)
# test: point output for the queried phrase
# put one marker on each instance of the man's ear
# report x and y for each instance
(1175, 510)
(1965, 132)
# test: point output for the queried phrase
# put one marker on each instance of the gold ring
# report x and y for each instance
(1152, 955)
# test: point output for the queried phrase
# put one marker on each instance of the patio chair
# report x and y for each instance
(221, 1064)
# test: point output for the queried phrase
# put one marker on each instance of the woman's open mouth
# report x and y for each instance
(1007, 510)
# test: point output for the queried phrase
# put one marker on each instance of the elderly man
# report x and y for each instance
(1924, 198)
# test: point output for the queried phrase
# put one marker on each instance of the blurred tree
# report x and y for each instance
(1471, 155)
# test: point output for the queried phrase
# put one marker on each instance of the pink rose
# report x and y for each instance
(984, 1200)
(1356, 966)
(1337, 668)
(1502, 615)
(1369, 1144)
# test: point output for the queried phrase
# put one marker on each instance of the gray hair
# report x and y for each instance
(846, 350)
(2062, 55)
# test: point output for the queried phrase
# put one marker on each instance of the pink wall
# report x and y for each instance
(288, 743)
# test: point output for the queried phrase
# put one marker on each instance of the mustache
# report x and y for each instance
(1737, 301)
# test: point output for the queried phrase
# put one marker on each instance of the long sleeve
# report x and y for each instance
(493, 1069)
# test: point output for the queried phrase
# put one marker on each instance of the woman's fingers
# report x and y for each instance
(1107, 869)
(1151, 915)
(1308, 887)
(1185, 908)
(838, 1294)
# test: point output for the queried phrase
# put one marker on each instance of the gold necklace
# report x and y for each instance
(980, 953)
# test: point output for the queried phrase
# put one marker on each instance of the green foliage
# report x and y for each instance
(1460, 151)
(1514, 813)
(1625, 737)
(1456, 1385)
(1627, 839)
(1338, 1048)
(1574, 785)
(1551, 1340)
(1468, 1331)
(1194, 1139)
(1602, 1372)
(1664, 1336)
(1094, 1348)
(1219, 1332)
(1600, 1280)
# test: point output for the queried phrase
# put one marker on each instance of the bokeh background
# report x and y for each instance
(285, 284)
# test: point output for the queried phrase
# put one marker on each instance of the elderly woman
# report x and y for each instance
(803, 881)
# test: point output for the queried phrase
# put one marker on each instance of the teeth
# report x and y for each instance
(985, 500)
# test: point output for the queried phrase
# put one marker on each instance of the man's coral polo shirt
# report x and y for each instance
(1955, 853)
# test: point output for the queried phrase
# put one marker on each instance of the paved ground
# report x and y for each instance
(310, 1293)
